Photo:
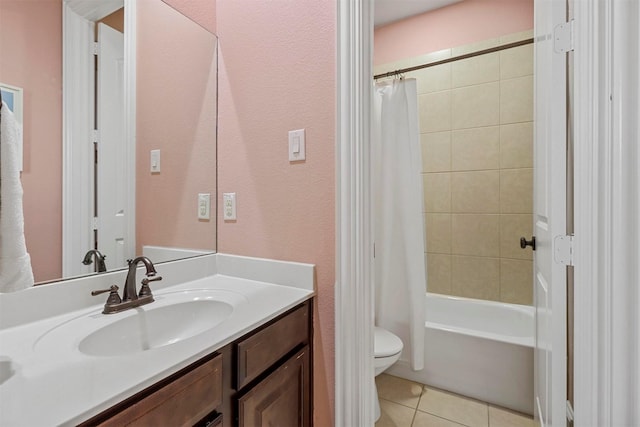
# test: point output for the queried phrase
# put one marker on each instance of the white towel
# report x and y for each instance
(15, 263)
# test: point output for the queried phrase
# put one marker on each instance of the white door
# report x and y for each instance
(550, 276)
(113, 181)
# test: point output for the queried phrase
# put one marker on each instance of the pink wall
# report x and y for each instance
(201, 11)
(277, 73)
(31, 58)
(456, 25)
(176, 115)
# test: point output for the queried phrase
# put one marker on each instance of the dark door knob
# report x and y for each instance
(524, 243)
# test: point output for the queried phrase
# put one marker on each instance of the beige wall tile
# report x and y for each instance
(475, 106)
(384, 68)
(438, 273)
(499, 417)
(427, 58)
(475, 235)
(436, 151)
(475, 149)
(516, 100)
(430, 57)
(438, 228)
(515, 37)
(422, 419)
(474, 47)
(516, 145)
(455, 408)
(475, 277)
(379, 69)
(512, 227)
(437, 192)
(398, 390)
(516, 191)
(516, 62)
(435, 111)
(392, 66)
(476, 70)
(472, 126)
(394, 415)
(516, 281)
(475, 192)
(433, 79)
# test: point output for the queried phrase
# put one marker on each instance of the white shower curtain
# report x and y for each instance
(399, 226)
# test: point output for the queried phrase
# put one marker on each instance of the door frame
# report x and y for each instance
(596, 157)
(354, 304)
(607, 370)
(78, 102)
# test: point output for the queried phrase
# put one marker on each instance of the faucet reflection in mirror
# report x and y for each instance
(101, 266)
(130, 298)
(15, 262)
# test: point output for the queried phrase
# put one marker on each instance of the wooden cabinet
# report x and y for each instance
(273, 368)
(261, 379)
(281, 399)
(264, 348)
(183, 399)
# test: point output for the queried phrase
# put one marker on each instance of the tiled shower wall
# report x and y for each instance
(477, 150)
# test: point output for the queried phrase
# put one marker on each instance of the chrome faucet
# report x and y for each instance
(102, 266)
(130, 298)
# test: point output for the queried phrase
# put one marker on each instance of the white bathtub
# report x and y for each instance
(480, 349)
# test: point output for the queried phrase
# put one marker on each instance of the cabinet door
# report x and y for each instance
(281, 399)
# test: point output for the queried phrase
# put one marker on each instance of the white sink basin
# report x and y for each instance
(172, 318)
(7, 369)
(153, 327)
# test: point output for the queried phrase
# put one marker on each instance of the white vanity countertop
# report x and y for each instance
(59, 385)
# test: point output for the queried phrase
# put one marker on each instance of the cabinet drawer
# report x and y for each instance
(261, 350)
(182, 402)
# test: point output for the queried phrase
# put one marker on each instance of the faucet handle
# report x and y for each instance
(145, 290)
(150, 279)
(114, 298)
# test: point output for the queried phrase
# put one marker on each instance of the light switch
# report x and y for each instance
(229, 206)
(155, 161)
(296, 145)
(204, 205)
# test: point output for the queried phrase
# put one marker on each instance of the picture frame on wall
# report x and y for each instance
(12, 97)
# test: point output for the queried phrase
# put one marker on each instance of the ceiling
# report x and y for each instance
(388, 11)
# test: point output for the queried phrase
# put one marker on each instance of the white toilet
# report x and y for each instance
(387, 348)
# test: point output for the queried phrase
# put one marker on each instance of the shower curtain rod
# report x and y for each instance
(455, 58)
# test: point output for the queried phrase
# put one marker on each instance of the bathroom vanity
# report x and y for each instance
(227, 341)
(263, 378)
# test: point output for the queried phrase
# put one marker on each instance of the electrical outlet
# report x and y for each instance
(229, 206)
(204, 205)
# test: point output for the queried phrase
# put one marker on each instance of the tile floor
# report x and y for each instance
(406, 403)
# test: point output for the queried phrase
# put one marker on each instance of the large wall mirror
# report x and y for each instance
(145, 181)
